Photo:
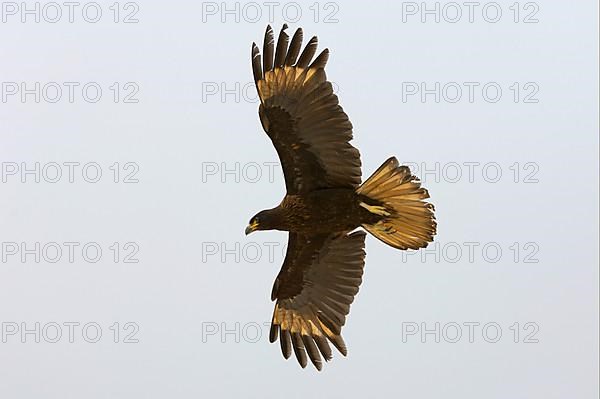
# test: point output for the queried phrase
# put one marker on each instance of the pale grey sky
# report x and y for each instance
(495, 107)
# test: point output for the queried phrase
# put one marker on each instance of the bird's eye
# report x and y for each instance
(255, 220)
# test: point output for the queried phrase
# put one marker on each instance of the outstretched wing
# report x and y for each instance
(314, 289)
(302, 116)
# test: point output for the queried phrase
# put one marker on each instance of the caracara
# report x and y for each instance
(325, 200)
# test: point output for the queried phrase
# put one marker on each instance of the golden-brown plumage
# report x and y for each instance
(325, 201)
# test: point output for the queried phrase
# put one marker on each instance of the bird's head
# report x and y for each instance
(263, 220)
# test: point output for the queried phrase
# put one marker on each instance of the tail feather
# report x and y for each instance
(407, 222)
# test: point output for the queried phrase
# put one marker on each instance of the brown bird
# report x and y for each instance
(325, 199)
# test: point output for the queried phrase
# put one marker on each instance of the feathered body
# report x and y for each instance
(322, 211)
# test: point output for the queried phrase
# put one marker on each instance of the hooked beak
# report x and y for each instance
(251, 227)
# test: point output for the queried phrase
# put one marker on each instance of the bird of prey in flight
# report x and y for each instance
(325, 201)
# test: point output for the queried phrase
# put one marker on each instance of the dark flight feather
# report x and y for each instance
(256, 67)
(268, 45)
(273, 333)
(308, 53)
(323, 347)
(313, 352)
(286, 344)
(295, 47)
(321, 60)
(298, 345)
(281, 50)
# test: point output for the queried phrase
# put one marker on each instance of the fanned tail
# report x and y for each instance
(407, 222)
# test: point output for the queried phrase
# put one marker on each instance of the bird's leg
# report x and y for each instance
(375, 209)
